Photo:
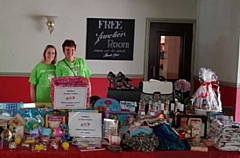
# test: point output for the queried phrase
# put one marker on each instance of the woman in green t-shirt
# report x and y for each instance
(71, 65)
(41, 76)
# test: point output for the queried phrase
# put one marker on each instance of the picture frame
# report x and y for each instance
(194, 121)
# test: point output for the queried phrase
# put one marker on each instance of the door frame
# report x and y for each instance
(146, 51)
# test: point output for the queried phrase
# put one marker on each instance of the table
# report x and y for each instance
(75, 153)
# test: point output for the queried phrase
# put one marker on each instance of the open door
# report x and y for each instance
(169, 51)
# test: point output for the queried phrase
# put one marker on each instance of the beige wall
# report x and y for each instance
(217, 42)
(23, 31)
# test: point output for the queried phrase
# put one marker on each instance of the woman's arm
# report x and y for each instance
(32, 92)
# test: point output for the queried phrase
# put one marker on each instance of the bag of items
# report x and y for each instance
(207, 96)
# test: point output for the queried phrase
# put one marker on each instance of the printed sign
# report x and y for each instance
(110, 39)
(83, 124)
(70, 97)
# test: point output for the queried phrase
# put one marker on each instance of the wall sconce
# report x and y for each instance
(50, 23)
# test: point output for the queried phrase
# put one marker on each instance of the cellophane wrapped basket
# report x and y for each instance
(207, 97)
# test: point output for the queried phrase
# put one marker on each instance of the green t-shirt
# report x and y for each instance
(79, 67)
(41, 76)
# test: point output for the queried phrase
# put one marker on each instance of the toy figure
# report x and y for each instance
(35, 132)
(6, 134)
(55, 144)
(102, 109)
(65, 145)
(39, 147)
(61, 126)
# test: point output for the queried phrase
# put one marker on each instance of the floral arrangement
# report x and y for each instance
(181, 86)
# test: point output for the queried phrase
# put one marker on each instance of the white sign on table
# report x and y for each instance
(70, 97)
(83, 124)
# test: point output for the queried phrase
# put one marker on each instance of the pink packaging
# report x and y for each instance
(57, 132)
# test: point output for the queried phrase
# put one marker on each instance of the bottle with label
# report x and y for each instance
(171, 119)
(150, 108)
(181, 108)
(175, 117)
(171, 114)
(166, 108)
(152, 111)
(175, 105)
(159, 106)
(141, 110)
(162, 107)
(156, 108)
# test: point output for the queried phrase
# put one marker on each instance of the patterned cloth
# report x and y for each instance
(141, 142)
(163, 98)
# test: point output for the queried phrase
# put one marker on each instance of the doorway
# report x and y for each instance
(169, 48)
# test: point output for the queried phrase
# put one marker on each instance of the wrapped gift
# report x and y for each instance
(207, 96)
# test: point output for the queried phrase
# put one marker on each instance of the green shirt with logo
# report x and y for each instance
(41, 76)
(76, 68)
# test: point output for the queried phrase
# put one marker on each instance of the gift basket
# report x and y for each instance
(207, 97)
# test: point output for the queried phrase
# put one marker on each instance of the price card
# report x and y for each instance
(70, 97)
(83, 124)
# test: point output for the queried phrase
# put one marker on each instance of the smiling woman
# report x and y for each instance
(42, 75)
(71, 65)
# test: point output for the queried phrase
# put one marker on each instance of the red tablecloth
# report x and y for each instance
(75, 153)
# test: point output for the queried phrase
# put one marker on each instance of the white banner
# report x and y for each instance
(83, 124)
(70, 97)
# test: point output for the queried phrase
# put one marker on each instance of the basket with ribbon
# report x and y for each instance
(207, 97)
